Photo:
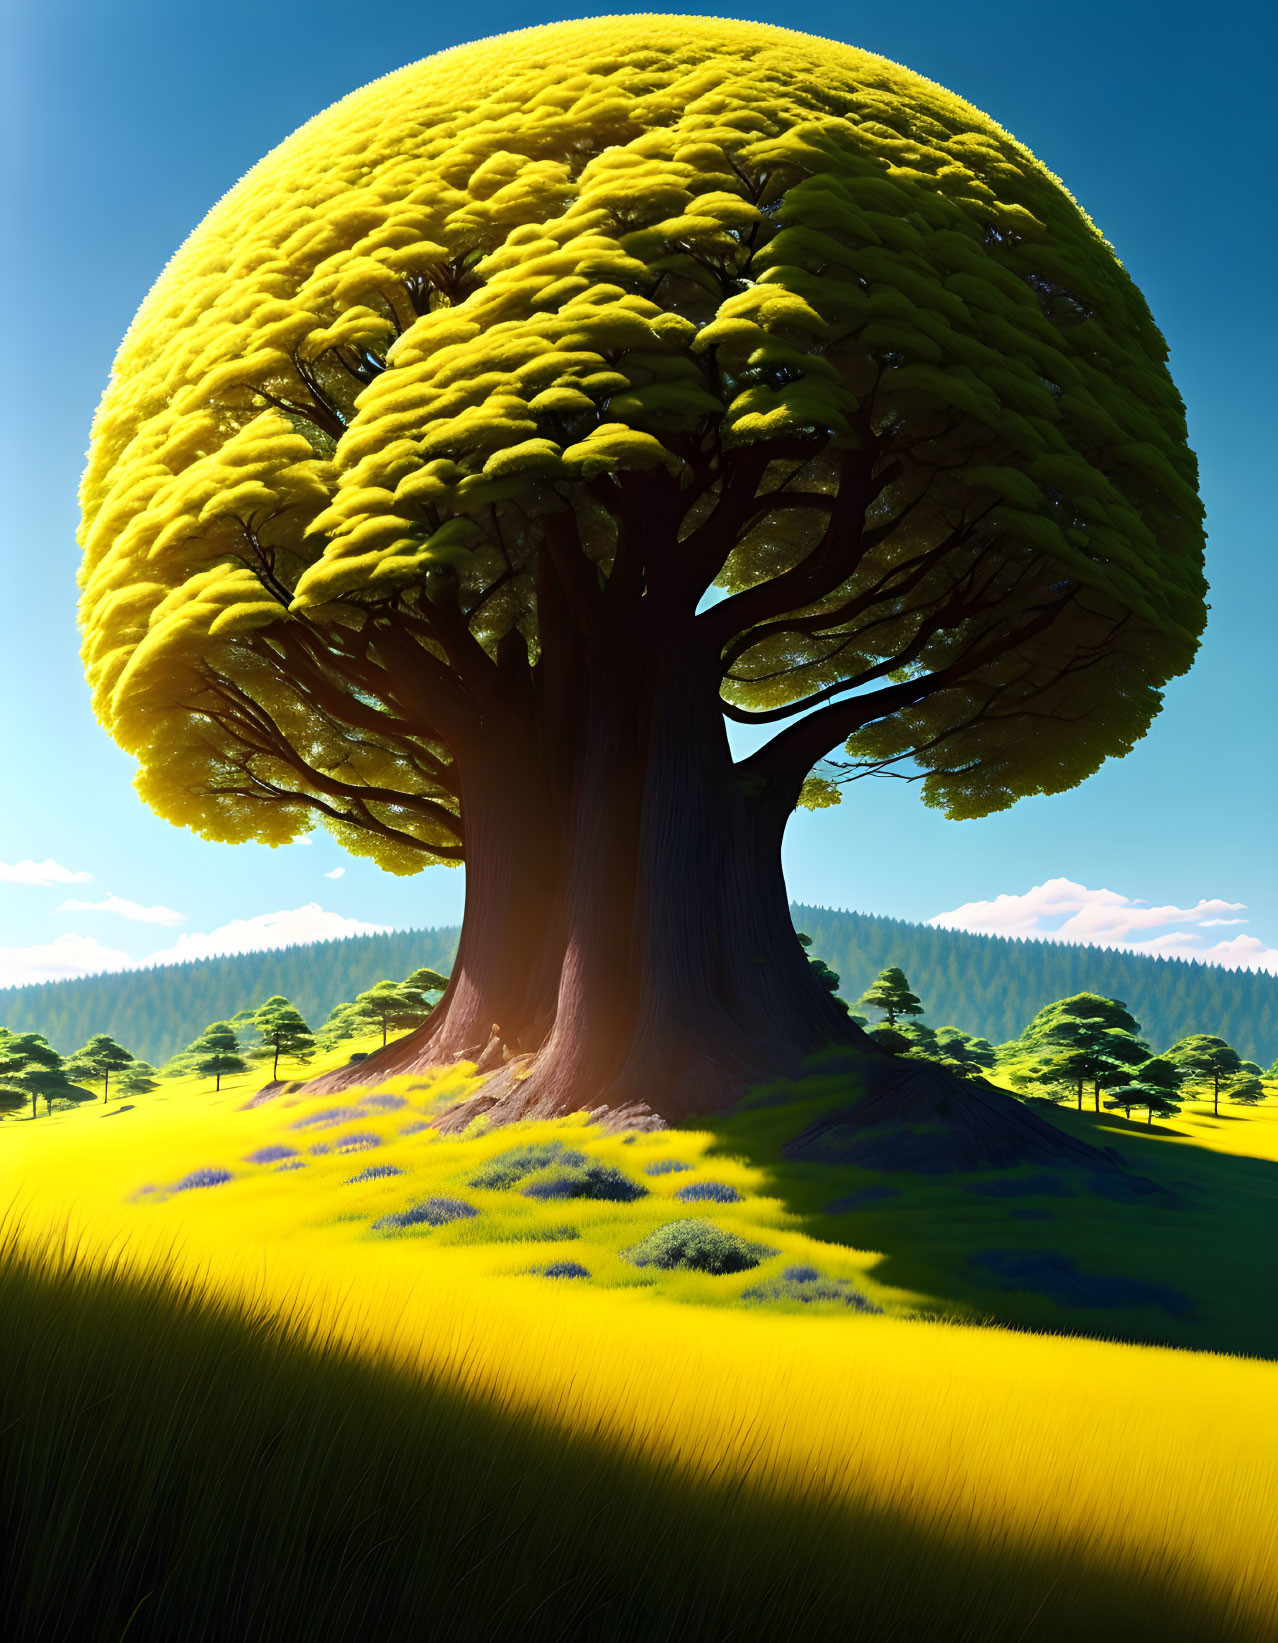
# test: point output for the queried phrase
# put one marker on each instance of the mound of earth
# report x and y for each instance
(922, 1119)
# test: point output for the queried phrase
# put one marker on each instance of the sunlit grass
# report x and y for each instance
(1116, 1466)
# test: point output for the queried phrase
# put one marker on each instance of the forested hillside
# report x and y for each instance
(157, 1011)
(987, 985)
(992, 985)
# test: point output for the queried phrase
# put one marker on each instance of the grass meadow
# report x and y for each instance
(254, 1389)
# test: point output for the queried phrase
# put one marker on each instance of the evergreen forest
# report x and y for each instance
(989, 985)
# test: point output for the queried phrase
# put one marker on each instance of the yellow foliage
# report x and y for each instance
(1013, 1439)
(545, 259)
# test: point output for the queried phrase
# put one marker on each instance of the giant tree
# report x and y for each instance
(537, 413)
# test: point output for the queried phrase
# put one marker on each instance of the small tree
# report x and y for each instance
(1246, 1090)
(828, 978)
(891, 1039)
(922, 1040)
(98, 1059)
(283, 1032)
(1155, 1085)
(138, 1078)
(963, 1052)
(217, 1051)
(426, 981)
(1205, 1059)
(393, 1004)
(1086, 1039)
(31, 1068)
(891, 994)
(344, 1021)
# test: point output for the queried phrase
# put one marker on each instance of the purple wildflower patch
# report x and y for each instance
(322, 1120)
(417, 1125)
(293, 1163)
(382, 1101)
(430, 1212)
(562, 1269)
(374, 1172)
(667, 1166)
(708, 1192)
(356, 1142)
(202, 1178)
(590, 1181)
(270, 1155)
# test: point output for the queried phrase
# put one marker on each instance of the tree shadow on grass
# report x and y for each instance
(1175, 1249)
(237, 1480)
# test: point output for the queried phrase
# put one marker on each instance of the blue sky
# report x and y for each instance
(129, 118)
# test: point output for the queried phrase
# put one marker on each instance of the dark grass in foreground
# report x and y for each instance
(178, 1470)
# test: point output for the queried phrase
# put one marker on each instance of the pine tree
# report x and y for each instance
(426, 981)
(30, 1068)
(138, 1078)
(1085, 1038)
(1155, 1085)
(393, 1004)
(98, 1059)
(891, 993)
(283, 1032)
(1247, 1090)
(1206, 1059)
(217, 1051)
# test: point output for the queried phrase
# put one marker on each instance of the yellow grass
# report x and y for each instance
(1139, 1456)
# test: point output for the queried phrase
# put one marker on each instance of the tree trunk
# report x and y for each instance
(627, 941)
(627, 944)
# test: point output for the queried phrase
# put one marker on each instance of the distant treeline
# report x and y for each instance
(156, 1012)
(992, 985)
(988, 985)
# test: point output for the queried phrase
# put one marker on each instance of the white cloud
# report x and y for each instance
(131, 910)
(70, 955)
(1061, 910)
(251, 935)
(75, 955)
(40, 872)
(336, 873)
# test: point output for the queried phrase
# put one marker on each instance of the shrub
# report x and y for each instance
(711, 1192)
(697, 1246)
(270, 1155)
(507, 1168)
(667, 1166)
(374, 1172)
(430, 1212)
(202, 1178)
(562, 1269)
(810, 1287)
(592, 1181)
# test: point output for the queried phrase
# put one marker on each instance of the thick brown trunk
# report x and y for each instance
(627, 944)
(627, 940)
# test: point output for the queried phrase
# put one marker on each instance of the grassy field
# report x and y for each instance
(240, 1407)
